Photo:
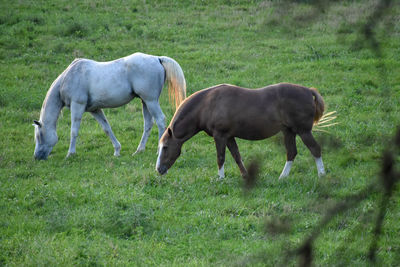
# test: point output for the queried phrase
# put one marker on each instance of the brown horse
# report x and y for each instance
(227, 111)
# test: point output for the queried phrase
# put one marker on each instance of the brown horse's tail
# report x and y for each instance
(175, 80)
(319, 105)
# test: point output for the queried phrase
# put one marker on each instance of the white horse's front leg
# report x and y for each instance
(102, 120)
(76, 117)
(147, 125)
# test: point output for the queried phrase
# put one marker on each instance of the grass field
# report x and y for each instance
(95, 209)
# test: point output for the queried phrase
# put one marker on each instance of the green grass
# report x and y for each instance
(95, 209)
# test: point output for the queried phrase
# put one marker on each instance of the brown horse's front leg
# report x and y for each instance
(233, 148)
(291, 152)
(220, 144)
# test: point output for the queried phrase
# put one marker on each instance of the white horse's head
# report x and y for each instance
(45, 140)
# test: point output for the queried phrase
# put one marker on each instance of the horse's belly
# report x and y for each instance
(256, 135)
(257, 132)
(109, 99)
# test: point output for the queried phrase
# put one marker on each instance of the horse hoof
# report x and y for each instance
(70, 154)
(138, 151)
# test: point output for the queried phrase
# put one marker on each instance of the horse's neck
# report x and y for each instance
(51, 108)
(185, 128)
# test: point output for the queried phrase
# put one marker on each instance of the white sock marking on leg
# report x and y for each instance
(320, 166)
(286, 169)
(221, 172)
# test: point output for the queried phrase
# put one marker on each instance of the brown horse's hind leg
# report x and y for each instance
(291, 151)
(315, 149)
(220, 144)
(290, 144)
(309, 141)
(233, 148)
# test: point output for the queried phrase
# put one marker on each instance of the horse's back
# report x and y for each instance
(255, 113)
(143, 63)
(96, 84)
(230, 110)
(112, 83)
(296, 106)
(146, 74)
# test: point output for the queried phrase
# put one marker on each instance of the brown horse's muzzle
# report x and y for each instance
(162, 169)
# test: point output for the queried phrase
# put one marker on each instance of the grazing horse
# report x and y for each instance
(87, 85)
(227, 111)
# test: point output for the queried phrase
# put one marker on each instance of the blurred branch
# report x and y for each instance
(389, 180)
(389, 177)
(368, 34)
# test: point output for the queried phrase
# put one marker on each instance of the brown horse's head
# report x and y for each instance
(169, 149)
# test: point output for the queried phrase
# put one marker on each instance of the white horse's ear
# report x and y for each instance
(37, 123)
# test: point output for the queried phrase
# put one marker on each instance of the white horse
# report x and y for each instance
(87, 85)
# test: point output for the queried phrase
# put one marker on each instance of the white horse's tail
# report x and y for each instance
(175, 79)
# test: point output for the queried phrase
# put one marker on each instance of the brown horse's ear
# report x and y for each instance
(169, 132)
(37, 123)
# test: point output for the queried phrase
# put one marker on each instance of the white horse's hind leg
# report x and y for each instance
(102, 120)
(76, 117)
(148, 124)
(156, 112)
